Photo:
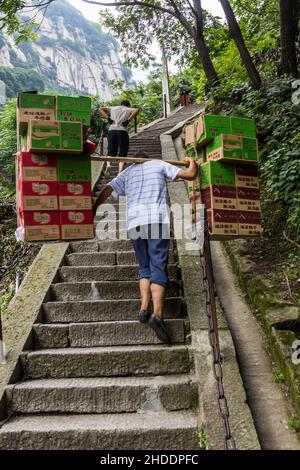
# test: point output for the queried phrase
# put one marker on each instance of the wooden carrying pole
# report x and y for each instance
(136, 160)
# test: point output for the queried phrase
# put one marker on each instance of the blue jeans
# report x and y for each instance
(152, 253)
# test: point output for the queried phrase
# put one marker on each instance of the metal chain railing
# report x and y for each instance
(211, 312)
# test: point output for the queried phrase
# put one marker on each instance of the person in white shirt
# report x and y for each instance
(118, 138)
(148, 224)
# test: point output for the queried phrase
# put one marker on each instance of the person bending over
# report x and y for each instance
(118, 138)
(148, 224)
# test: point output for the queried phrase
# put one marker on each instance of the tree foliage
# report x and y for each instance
(8, 136)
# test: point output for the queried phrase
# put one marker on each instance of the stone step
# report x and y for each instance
(105, 290)
(104, 246)
(92, 259)
(106, 273)
(103, 395)
(104, 310)
(107, 258)
(175, 430)
(106, 361)
(94, 334)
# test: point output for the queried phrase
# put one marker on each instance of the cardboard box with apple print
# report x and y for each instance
(76, 225)
(40, 225)
(75, 195)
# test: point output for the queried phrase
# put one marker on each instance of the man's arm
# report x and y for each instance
(105, 193)
(135, 112)
(192, 171)
(104, 112)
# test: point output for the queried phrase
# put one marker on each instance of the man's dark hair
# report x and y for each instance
(126, 103)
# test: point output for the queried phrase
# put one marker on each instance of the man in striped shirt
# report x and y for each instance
(148, 224)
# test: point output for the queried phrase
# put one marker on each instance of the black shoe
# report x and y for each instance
(144, 316)
(160, 328)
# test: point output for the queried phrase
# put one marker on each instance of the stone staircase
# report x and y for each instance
(96, 378)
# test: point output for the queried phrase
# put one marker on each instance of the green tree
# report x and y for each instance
(8, 136)
(10, 22)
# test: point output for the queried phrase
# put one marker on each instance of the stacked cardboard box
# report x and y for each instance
(231, 196)
(75, 197)
(54, 200)
(37, 201)
(73, 109)
(228, 174)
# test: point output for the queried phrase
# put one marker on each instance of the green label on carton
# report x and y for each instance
(71, 103)
(32, 100)
(55, 135)
(224, 147)
(250, 149)
(243, 127)
(217, 174)
(71, 135)
(74, 116)
(214, 125)
(74, 168)
(44, 136)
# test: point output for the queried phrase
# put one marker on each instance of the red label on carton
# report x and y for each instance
(219, 197)
(38, 195)
(76, 217)
(248, 193)
(246, 170)
(30, 218)
(37, 160)
(34, 188)
(223, 222)
(74, 189)
(247, 217)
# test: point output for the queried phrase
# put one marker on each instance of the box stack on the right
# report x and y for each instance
(229, 177)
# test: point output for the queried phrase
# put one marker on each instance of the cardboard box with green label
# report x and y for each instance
(54, 136)
(217, 174)
(210, 126)
(232, 148)
(36, 107)
(74, 109)
(74, 168)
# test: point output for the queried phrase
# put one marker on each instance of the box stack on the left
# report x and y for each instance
(50, 137)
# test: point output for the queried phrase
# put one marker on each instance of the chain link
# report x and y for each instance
(205, 257)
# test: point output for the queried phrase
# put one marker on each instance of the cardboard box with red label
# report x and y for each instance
(37, 195)
(40, 225)
(37, 167)
(75, 196)
(249, 223)
(223, 222)
(219, 197)
(77, 224)
(248, 199)
(246, 176)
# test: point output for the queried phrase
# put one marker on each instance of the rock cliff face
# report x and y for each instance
(71, 54)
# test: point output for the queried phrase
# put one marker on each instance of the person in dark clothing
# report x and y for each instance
(118, 138)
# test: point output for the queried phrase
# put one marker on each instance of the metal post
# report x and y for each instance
(135, 125)
(165, 85)
(165, 106)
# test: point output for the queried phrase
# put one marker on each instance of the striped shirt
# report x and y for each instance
(145, 188)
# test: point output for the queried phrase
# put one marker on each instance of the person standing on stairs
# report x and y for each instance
(148, 224)
(118, 138)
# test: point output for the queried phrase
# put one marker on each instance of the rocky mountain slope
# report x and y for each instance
(71, 54)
